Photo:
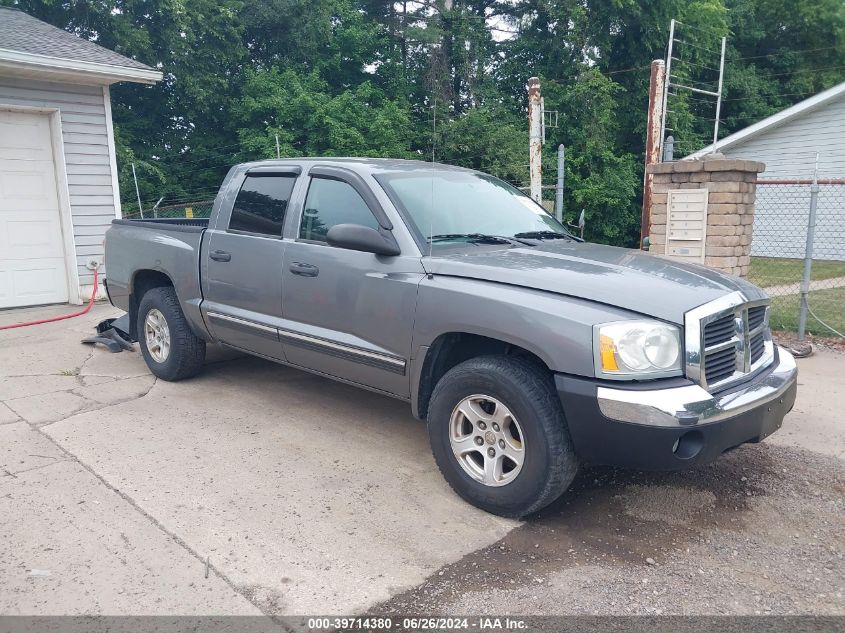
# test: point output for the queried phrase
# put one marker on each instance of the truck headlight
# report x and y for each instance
(627, 350)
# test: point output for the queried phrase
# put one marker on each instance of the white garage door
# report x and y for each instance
(32, 259)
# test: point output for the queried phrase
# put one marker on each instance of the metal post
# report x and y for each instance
(278, 153)
(719, 98)
(669, 149)
(652, 139)
(137, 192)
(535, 140)
(561, 157)
(667, 82)
(808, 255)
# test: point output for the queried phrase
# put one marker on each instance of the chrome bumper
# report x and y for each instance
(691, 405)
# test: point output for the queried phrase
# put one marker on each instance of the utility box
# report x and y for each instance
(686, 220)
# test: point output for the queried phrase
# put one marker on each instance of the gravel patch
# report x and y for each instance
(761, 531)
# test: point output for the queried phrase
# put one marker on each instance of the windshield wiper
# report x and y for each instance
(544, 235)
(472, 237)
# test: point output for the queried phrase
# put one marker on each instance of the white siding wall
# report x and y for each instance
(789, 152)
(86, 149)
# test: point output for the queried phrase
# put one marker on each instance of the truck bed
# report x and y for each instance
(137, 249)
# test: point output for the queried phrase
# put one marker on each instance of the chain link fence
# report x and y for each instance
(197, 209)
(798, 254)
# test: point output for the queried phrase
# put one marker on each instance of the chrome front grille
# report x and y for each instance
(719, 331)
(727, 340)
(758, 325)
(757, 316)
(720, 365)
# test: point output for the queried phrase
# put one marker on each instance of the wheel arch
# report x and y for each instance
(452, 348)
(142, 281)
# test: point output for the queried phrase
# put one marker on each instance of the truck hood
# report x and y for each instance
(628, 279)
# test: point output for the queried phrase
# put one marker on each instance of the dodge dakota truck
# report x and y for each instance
(525, 349)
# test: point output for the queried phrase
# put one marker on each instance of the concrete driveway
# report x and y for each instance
(255, 488)
(301, 495)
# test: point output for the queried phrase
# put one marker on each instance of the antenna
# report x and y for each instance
(433, 144)
(431, 216)
(677, 82)
(431, 223)
(433, 134)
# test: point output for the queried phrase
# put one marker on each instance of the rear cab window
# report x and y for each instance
(261, 204)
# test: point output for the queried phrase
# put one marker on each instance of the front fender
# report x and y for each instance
(558, 329)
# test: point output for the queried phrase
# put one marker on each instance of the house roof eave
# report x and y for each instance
(57, 67)
(777, 119)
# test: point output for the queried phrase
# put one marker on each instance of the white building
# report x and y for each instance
(790, 143)
(58, 176)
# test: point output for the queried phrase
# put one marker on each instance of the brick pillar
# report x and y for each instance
(731, 186)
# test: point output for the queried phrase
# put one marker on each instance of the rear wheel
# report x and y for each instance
(169, 346)
(499, 435)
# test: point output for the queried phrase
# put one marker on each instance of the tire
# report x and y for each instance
(527, 392)
(185, 352)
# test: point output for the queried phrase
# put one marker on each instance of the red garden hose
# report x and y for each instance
(59, 318)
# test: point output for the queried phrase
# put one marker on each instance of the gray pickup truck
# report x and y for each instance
(526, 350)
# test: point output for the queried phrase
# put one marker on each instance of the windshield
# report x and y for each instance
(454, 206)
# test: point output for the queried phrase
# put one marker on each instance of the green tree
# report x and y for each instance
(368, 77)
(310, 121)
(780, 52)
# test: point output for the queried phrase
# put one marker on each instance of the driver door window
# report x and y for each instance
(331, 202)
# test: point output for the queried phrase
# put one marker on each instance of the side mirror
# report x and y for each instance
(361, 238)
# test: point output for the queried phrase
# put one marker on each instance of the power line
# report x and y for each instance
(801, 71)
(770, 96)
(177, 160)
(695, 83)
(806, 50)
(686, 61)
(196, 149)
(718, 34)
(701, 48)
(460, 16)
(627, 70)
(686, 97)
(173, 161)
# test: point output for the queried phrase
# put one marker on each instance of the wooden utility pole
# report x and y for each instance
(652, 139)
(535, 139)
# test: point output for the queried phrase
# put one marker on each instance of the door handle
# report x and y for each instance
(304, 270)
(220, 256)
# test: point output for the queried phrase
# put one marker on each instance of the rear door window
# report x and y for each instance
(261, 204)
(331, 202)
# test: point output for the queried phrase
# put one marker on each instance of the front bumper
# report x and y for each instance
(677, 425)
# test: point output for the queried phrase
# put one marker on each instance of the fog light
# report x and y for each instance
(688, 445)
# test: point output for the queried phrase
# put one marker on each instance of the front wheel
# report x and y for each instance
(499, 435)
(170, 348)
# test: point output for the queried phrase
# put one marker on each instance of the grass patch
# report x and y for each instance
(776, 271)
(828, 304)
